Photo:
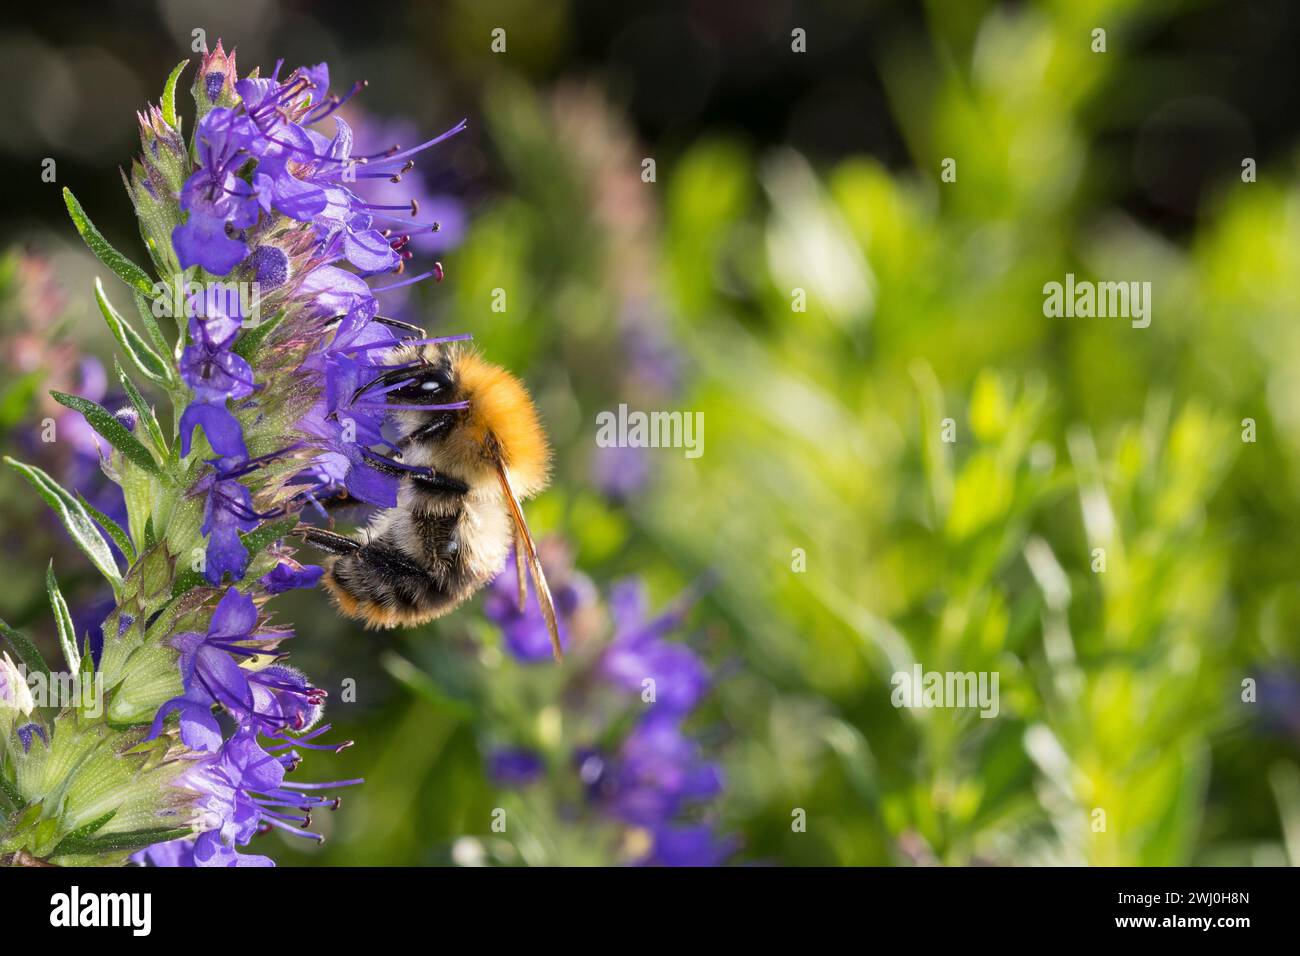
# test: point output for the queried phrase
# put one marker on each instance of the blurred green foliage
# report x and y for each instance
(848, 539)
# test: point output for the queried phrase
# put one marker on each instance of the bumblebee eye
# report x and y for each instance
(422, 383)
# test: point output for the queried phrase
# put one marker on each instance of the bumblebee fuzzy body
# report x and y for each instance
(454, 524)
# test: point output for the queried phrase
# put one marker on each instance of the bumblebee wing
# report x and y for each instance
(521, 560)
(526, 554)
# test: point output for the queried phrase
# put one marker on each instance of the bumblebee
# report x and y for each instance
(465, 472)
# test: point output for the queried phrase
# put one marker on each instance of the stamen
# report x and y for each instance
(437, 340)
(435, 273)
(292, 785)
(452, 407)
(459, 127)
(294, 830)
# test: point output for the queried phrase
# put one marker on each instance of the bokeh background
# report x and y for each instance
(828, 536)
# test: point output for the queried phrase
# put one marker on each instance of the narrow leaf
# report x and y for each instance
(12, 794)
(133, 344)
(144, 306)
(74, 518)
(169, 96)
(261, 538)
(92, 827)
(248, 342)
(63, 618)
(27, 652)
(144, 410)
(115, 531)
(102, 420)
(107, 842)
(124, 268)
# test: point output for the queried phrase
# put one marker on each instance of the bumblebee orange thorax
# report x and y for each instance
(501, 410)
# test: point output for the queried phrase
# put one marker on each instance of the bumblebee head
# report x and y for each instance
(499, 424)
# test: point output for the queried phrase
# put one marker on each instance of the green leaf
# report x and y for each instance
(133, 344)
(27, 651)
(144, 307)
(261, 538)
(124, 268)
(108, 842)
(92, 827)
(169, 96)
(16, 398)
(63, 618)
(424, 686)
(102, 420)
(120, 537)
(248, 342)
(142, 409)
(12, 794)
(74, 518)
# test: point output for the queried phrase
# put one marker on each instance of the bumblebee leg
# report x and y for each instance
(429, 430)
(329, 541)
(440, 484)
(389, 466)
(385, 320)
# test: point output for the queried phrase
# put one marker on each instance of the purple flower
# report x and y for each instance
(242, 792)
(273, 198)
(227, 512)
(202, 241)
(216, 374)
(220, 427)
(514, 766)
(656, 771)
(620, 471)
(270, 700)
(408, 186)
(653, 361)
(639, 652)
(209, 367)
(214, 196)
(695, 845)
(525, 633)
(289, 574)
(1279, 697)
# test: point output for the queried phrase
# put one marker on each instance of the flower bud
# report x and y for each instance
(214, 84)
(15, 695)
